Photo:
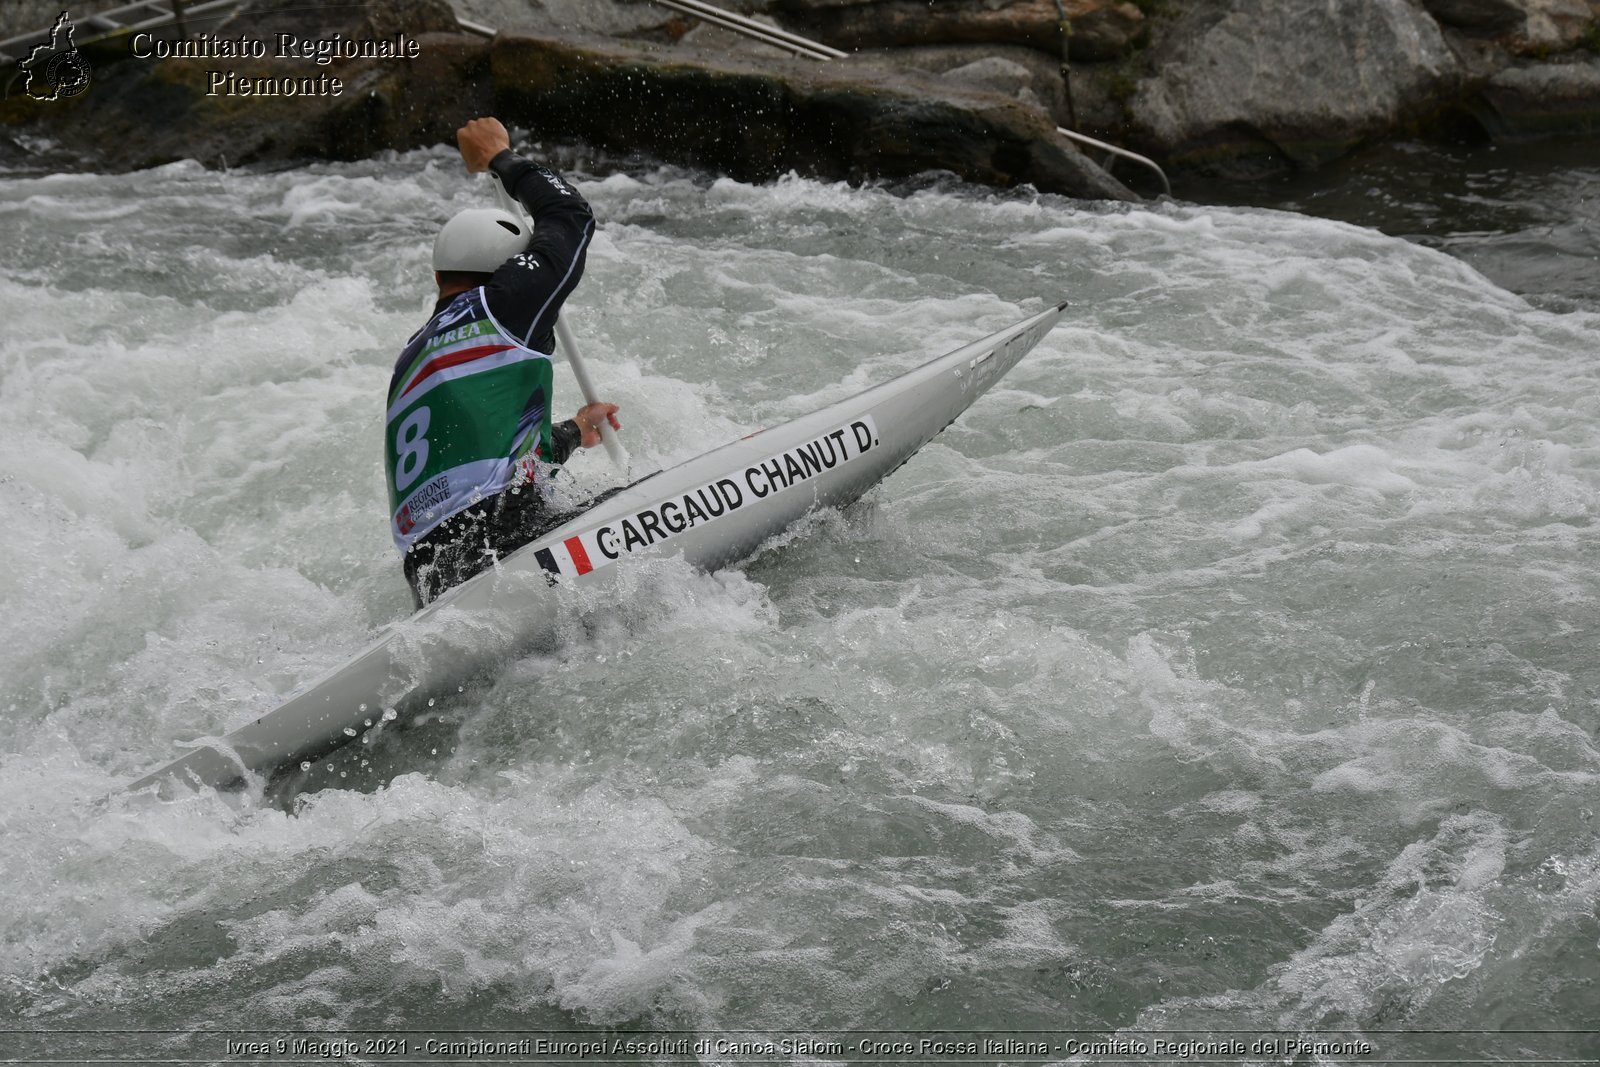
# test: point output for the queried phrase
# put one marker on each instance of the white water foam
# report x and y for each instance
(1224, 666)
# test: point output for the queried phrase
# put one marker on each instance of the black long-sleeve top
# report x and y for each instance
(526, 292)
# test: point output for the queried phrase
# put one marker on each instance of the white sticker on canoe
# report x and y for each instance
(665, 519)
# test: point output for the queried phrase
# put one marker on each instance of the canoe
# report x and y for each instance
(714, 510)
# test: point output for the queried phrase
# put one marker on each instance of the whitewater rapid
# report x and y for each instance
(1229, 665)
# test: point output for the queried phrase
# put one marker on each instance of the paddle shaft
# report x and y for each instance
(580, 373)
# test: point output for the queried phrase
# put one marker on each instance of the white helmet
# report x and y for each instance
(479, 239)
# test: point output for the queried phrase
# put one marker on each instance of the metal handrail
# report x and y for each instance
(749, 27)
(1123, 153)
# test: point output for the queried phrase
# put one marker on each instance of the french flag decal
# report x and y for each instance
(568, 557)
(679, 512)
(580, 555)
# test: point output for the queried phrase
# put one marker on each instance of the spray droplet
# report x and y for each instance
(349, 732)
(368, 723)
(362, 708)
(305, 765)
(389, 714)
(430, 702)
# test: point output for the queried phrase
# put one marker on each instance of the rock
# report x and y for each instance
(261, 19)
(750, 117)
(757, 119)
(145, 112)
(1554, 26)
(574, 16)
(18, 17)
(710, 37)
(1289, 83)
(1523, 27)
(1543, 98)
(1100, 94)
(1104, 30)
(1043, 70)
(993, 73)
(1100, 28)
(1000, 76)
(1489, 17)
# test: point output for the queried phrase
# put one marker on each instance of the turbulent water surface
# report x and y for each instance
(1230, 665)
(1527, 215)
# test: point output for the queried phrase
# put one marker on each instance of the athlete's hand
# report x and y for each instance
(480, 141)
(588, 419)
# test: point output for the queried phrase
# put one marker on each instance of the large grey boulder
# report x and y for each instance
(757, 118)
(1295, 81)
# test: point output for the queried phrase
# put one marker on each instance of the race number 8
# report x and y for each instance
(411, 447)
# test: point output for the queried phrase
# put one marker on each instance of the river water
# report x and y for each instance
(1526, 215)
(1229, 667)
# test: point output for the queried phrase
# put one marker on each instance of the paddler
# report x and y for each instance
(469, 434)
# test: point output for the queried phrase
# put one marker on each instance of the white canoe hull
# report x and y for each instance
(715, 509)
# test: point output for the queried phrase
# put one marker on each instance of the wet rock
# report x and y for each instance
(992, 72)
(1100, 28)
(972, 87)
(1544, 98)
(261, 19)
(1104, 30)
(750, 117)
(145, 112)
(1537, 27)
(1289, 84)
(1479, 16)
(1553, 26)
(575, 16)
(710, 37)
(1044, 81)
(25, 16)
(757, 119)
(1000, 76)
